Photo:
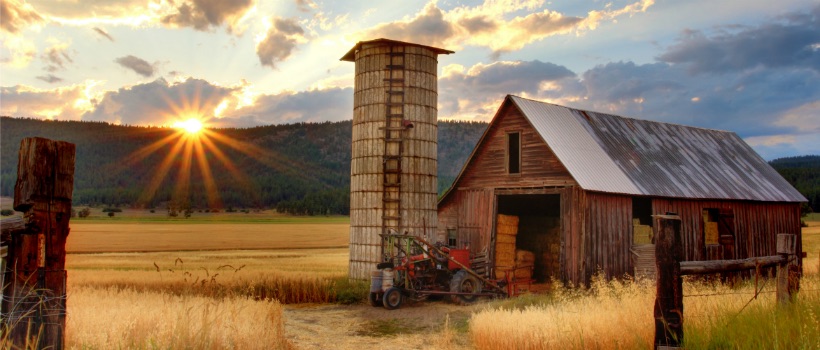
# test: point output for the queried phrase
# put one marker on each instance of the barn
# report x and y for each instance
(583, 187)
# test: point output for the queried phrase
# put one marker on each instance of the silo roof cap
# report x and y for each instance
(350, 56)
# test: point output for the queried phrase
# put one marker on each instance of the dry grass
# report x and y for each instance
(618, 315)
(290, 276)
(125, 319)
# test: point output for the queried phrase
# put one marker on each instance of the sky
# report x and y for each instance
(751, 67)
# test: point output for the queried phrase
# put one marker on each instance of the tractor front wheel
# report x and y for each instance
(392, 298)
(464, 282)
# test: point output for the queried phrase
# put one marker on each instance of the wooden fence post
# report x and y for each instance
(669, 294)
(786, 244)
(35, 294)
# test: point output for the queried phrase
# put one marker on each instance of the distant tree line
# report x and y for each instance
(301, 168)
(804, 174)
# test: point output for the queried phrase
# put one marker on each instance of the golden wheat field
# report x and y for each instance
(136, 236)
(235, 299)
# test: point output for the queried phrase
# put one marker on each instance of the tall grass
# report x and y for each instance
(289, 276)
(619, 314)
(115, 318)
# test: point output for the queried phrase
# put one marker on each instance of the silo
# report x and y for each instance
(393, 183)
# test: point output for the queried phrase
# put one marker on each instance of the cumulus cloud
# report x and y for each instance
(136, 64)
(206, 14)
(158, 102)
(17, 15)
(790, 41)
(103, 33)
(428, 26)
(475, 92)
(332, 104)
(65, 103)
(494, 24)
(279, 41)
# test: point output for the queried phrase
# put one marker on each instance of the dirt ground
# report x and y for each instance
(419, 325)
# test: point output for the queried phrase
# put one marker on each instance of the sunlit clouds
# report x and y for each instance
(497, 25)
(748, 67)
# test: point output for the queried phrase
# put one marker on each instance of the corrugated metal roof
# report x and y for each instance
(567, 136)
(608, 153)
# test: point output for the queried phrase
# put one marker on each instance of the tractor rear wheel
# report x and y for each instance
(392, 298)
(464, 282)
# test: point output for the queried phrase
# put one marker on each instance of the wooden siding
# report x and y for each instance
(539, 166)
(471, 212)
(608, 235)
(756, 225)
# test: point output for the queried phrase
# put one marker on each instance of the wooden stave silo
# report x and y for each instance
(376, 62)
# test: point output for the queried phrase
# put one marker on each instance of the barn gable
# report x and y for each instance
(486, 166)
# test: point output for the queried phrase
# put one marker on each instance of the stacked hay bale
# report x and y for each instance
(524, 264)
(506, 230)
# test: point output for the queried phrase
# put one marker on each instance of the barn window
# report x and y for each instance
(452, 240)
(514, 153)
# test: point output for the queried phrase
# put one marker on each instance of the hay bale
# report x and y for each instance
(506, 229)
(511, 220)
(524, 273)
(642, 234)
(500, 271)
(524, 258)
(505, 254)
(505, 239)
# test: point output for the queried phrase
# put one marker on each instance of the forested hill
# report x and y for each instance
(804, 174)
(299, 168)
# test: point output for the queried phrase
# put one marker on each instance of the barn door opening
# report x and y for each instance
(539, 230)
(719, 233)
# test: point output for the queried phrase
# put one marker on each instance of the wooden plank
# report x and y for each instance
(716, 266)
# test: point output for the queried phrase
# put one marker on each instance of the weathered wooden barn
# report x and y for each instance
(585, 185)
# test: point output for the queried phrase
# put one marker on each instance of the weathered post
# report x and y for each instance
(34, 301)
(786, 245)
(669, 297)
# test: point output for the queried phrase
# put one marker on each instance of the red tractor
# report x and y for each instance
(415, 269)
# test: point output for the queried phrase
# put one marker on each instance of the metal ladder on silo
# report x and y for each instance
(393, 140)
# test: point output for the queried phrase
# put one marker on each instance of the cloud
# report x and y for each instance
(279, 41)
(22, 52)
(51, 79)
(65, 103)
(56, 57)
(332, 104)
(18, 15)
(206, 14)
(493, 24)
(474, 93)
(790, 41)
(305, 5)
(427, 27)
(103, 33)
(158, 102)
(136, 64)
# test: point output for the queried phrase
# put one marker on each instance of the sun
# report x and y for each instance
(191, 126)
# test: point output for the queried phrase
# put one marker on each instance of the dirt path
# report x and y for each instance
(413, 326)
